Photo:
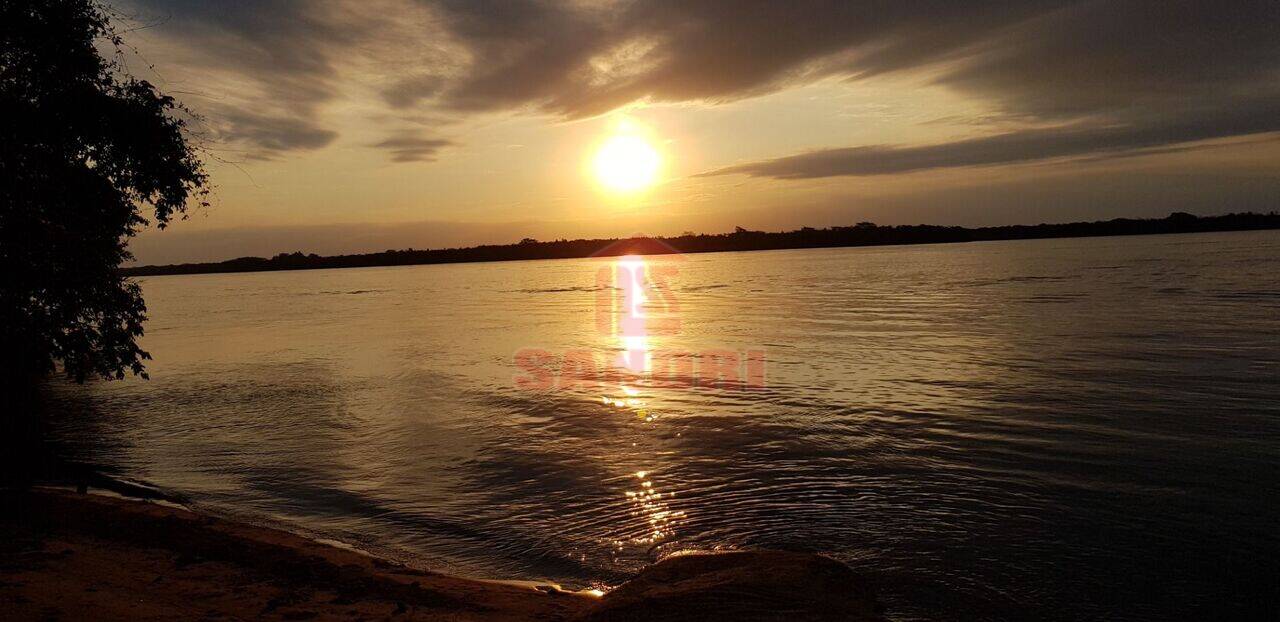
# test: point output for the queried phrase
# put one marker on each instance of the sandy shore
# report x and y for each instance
(77, 557)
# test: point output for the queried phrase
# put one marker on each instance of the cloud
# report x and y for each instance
(409, 91)
(579, 59)
(273, 134)
(1050, 58)
(262, 69)
(413, 148)
(1119, 73)
(1011, 147)
(1129, 59)
(1123, 74)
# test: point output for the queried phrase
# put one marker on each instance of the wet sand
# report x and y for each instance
(78, 556)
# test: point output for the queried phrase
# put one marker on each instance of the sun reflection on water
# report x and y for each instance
(631, 276)
(648, 504)
(630, 399)
(634, 363)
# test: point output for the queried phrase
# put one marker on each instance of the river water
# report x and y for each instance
(1048, 429)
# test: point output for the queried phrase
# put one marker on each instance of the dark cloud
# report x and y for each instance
(1131, 59)
(1047, 57)
(522, 52)
(271, 135)
(407, 92)
(1012, 147)
(1122, 74)
(281, 50)
(577, 60)
(265, 136)
(413, 148)
(275, 37)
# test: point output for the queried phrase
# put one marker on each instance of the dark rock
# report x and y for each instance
(741, 586)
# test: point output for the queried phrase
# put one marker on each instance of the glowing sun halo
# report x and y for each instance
(626, 163)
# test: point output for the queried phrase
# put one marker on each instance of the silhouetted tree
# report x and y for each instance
(85, 151)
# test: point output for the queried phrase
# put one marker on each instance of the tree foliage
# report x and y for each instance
(87, 154)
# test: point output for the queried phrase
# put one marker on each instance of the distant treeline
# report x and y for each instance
(861, 234)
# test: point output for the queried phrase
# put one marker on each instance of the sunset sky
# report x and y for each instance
(360, 125)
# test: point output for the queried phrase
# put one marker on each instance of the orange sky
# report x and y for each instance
(345, 126)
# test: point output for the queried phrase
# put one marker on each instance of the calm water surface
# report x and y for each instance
(1052, 429)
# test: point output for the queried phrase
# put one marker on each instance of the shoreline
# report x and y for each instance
(742, 240)
(72, 555)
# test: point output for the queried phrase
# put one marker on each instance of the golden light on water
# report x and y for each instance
(658, 520)
(632, 273)
(648, 505)
(633, 337)
(626, 162)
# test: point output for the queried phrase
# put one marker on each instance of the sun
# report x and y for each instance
(627, 163)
